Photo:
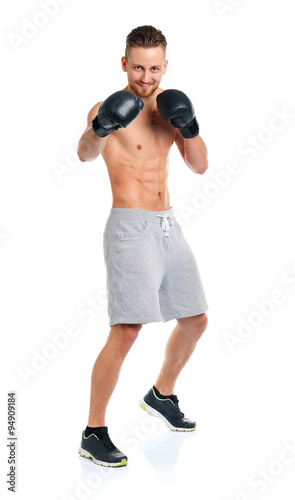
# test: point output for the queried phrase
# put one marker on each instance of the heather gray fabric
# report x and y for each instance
(152, 274)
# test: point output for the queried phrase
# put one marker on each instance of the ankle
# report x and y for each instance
(163, 391)
(96, 423)
(99, 431)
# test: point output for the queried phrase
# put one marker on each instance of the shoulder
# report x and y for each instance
(93, 112)
(159, 91)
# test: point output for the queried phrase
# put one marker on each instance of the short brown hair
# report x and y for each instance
(145, 36)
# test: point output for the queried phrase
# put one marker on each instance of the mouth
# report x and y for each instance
(144, 85)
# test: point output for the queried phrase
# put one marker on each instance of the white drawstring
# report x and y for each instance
(166, 222)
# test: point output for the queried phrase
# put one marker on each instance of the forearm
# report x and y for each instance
(90, 145)
(195, 154)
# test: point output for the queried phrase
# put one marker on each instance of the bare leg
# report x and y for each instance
(107, 368)
(180, 346)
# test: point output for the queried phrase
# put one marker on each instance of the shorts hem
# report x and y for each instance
(132, 321)
(201, 310)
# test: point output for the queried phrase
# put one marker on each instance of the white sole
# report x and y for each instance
(154, 413)
(86, 454)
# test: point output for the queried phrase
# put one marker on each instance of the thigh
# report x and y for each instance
(133, 272)
(182, 290)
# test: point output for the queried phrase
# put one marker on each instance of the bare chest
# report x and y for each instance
(148, 137)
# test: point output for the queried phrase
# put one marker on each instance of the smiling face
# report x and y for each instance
(145, 67)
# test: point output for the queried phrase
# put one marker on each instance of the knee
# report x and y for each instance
(130, 332)
(125, 335)
(200, 323)
(194, 326)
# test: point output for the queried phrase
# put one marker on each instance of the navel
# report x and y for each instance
(139, 146)
(159, 193)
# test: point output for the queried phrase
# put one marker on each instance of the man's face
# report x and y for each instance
(145, 68)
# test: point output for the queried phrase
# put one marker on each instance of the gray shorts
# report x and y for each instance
(152, 274)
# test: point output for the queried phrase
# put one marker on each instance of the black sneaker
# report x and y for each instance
(101, 450)
(168, 410)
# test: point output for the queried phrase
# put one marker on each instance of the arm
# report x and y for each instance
(118, 110)
(193, 152)
(90, 145)
(175, 107)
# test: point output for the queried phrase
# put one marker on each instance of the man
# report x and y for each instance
(152, 274)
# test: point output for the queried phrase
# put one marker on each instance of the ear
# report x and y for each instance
(165, 67)
(124, 63)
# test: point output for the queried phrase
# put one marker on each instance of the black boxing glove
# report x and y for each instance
(118, 110)
(175, 107)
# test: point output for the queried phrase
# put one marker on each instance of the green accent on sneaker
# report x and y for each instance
(121, 464)
(160, 399)
(84, 456)
(89, 436)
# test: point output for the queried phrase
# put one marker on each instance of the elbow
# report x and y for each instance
(202, 169)
(81, 152)
(81, 156)
(201, 166)
(198, 168)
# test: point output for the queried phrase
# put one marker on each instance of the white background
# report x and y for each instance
(236, 64)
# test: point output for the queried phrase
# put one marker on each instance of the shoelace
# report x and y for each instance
(107, 442)
(176, 401)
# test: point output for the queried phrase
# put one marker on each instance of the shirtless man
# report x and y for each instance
(152, 274)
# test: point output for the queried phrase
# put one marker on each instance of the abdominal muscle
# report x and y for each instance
(138, 173)
(147, 190)
(144, 194)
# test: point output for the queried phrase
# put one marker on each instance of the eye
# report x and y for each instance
(154, 69)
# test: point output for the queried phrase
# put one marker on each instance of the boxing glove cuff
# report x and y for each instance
(191, 130)
(100, 130)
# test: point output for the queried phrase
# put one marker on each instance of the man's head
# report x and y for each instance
(145, 36)
(144, 60)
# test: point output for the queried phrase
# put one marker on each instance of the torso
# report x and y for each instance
(137, 161)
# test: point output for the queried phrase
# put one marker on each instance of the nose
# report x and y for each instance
(145, 77)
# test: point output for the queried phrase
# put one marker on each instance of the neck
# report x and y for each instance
(149, 102)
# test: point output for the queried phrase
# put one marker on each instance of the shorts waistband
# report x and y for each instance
(137, 214)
